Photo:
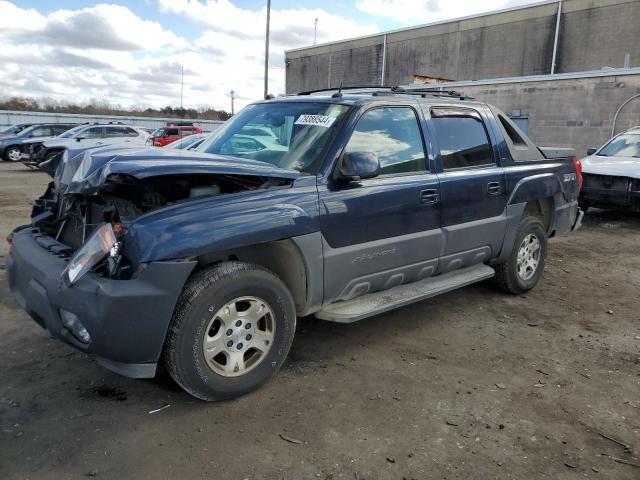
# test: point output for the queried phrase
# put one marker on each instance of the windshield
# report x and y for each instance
(625, 145)
(158, 132)
(12, 129)
(70, 133)
(287, 135)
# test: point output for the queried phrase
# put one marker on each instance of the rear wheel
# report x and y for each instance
(525, 266)
(12, 154)
(231, 331)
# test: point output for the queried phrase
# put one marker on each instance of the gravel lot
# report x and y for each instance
(472, 384)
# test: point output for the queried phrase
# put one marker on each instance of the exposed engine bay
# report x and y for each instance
(71, 218)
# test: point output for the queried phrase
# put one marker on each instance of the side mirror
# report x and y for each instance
(591, 151)
(359, 166)
(79, 138)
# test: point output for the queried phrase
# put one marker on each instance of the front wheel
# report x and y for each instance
(522, 271)
(231, 331)
(12, 154)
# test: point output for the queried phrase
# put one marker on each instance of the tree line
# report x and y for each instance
(98, 107)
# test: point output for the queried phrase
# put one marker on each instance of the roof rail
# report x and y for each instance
(382, 90)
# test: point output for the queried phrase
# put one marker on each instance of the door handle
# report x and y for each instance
(429, 196)
(493, 188)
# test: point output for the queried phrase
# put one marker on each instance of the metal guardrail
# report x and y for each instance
(11, 117)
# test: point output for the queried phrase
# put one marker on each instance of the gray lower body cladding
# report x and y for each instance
(127, 320)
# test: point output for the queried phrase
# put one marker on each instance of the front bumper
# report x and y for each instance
(126, 319)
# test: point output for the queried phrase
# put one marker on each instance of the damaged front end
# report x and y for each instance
(96, 196)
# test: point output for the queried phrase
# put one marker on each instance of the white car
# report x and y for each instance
(83, 136)
(612, 173)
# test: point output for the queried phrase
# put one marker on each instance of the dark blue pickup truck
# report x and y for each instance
(339, 204)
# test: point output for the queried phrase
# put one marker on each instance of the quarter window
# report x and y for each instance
(393, 134)
(462, 138)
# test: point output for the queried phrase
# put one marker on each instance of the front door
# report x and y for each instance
(473, 188)
(384, 231)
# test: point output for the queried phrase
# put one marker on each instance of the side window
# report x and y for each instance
(58, 129)
(171, 132)
(394, 135)
(462, 138)
(130, 132)
(93, 132)
(41, 132)
(115, 132)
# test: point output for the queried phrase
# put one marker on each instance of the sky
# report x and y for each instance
(132, 52)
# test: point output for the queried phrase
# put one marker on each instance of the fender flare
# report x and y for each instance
(535, 187)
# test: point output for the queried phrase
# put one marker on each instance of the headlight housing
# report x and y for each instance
(99, 245)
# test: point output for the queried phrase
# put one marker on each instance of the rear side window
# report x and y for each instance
(93, 132)
(393, 134)
(462, 138)
(115, 132)
(58, 129)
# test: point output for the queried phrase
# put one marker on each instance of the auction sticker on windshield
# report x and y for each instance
(317, 120)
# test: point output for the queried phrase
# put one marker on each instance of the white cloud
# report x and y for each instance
(425, 11)
(107, 52)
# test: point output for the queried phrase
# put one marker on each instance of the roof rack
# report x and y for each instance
(390, 90)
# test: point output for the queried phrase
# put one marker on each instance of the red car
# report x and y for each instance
(165, 135)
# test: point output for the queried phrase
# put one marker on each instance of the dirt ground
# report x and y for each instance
(472, 384)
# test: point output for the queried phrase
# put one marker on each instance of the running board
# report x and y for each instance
(380, 302)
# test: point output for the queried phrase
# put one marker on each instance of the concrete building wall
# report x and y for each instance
(574, 113)
(516, 42)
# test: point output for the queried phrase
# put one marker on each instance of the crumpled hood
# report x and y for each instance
(614, 166)
(87, 171)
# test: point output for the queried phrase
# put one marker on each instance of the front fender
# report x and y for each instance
(222, 223)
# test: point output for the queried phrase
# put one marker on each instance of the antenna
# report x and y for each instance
(338, 94)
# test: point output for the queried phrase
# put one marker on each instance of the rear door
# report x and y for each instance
(92, 136)
(472, 185)
(383, 231)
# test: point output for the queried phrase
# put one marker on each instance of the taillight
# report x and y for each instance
(578, 167)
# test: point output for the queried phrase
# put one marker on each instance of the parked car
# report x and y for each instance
(203, 261)
(189, 142)
(10, 145)
(166, 135)
(15, 128)
(612, 173)
(34, 152)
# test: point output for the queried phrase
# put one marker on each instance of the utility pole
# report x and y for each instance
(315, 31)
(266, 52)
(181, 84)
(232, 95)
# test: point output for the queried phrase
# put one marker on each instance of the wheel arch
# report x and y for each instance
(296, 261)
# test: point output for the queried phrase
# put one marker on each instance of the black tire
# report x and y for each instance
(10, 151)
(206, 292)
(507, 277)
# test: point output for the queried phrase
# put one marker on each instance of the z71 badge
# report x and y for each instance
(569, 177)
